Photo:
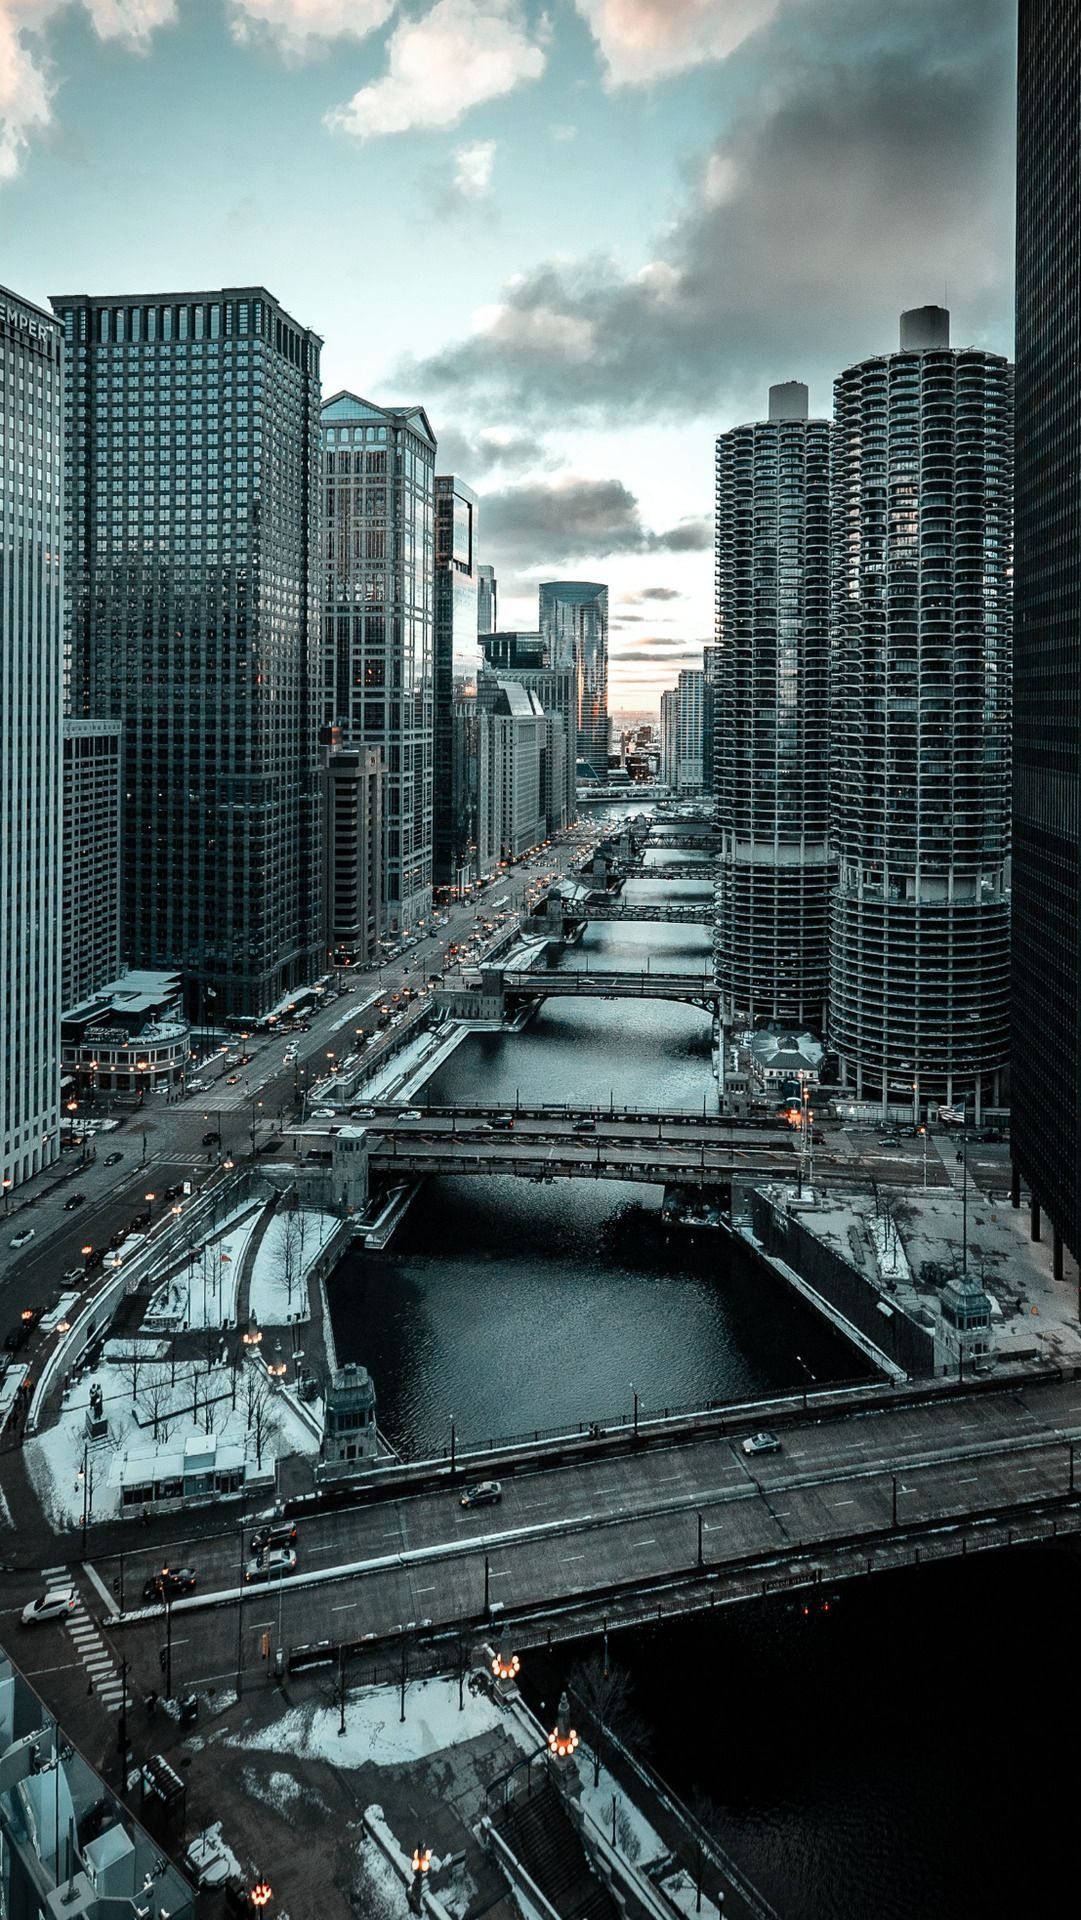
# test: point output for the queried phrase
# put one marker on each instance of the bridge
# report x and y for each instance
(638, 869)
(562, 912)
(698, 990)
(681, 840)
(652, 1517)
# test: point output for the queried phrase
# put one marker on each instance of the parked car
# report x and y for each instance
(169, 1583)
(762, 1443)
(74, 1200)
(272, 1564)
(94, 1258)
(73, 1275)
(51, 1606)
(23, 1237)
(112, 1159)
(277, 1533)
(486, 1493)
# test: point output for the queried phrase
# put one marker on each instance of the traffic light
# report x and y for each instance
(116, 1585)
(162, 1658)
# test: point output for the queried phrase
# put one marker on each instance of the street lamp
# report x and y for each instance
(276, 1367)
(253, 1335)
(7, 1197)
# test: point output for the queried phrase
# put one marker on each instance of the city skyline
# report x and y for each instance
(576, 373)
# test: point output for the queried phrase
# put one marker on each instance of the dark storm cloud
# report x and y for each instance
(471, 456)
(572, 517)
(870, 164)
(654, 593)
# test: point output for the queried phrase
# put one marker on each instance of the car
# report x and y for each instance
(140, 1219)
(74, 1200)
(73, 1275)
(761, 1443)
(584, 1126)
(16, 1339)
(323, 1113)
(272, 1563)
(502, 1123)
(169, 1583)
(362, 1113)
(112, 1159)
(23, 1237)
(94, 1258)
(486, 1493)
(118, 1238)
(176, 1192)
(212, 1139)
(411, 1113)
(53, 1605)
(232, 1080)
(277, 1533)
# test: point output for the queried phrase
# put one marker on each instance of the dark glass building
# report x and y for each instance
(456, 664)
(191, 502)
(770, 746)
(573, 621)
(1046, 1005)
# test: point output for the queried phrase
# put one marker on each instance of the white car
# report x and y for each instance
(271, 1564)
(23, 1238)
(52, 1606)
(323, 1113)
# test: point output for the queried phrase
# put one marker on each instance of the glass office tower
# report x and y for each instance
(770, 748)
(457, 663)
(921, 550)
(574, 625)
(1046, 1003)
(378, 587)
(31, 738)
(192, 499)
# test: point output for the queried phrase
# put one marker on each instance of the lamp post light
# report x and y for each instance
(276, 1367)
(252, 1336)
(86, 1252)
(7, 1198)
(421, 1864)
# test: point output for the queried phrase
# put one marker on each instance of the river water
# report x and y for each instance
(856, 1760)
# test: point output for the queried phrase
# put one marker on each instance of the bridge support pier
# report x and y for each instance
(1015, 1185)
(1034, 1218)
(1056, 1254)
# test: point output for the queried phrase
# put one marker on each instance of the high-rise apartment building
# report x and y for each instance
(378, 587)
(770, 737)
(710, 660)
(487, 600)
(456, 664)
(192, 502)
(919, 719)
(31, 699)
(91, 863)
(1046, 997)
(690, 721)
(511, 773)
(573, 620)
(670, 736)
(352, 850)
(524, 657)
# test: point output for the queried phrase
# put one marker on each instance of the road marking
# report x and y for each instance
(643, 1543)
(51, 1570)
(969, 1480)
(424, 1589)
(840, 1503)
(572, 1556)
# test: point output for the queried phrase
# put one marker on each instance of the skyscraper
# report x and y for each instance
(93, 788)
(573, 621)
(378, 558)
(919, 753)
(487, 600)
(770, 744)
(524, 657)
(457, 662)
(192, 498)
(670, 736)
(31, 694)
(1046, 1002)
(690, 718)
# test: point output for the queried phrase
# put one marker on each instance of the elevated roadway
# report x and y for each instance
(699, 990)
(637, 1525)
(666, 912)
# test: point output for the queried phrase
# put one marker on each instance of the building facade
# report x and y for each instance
(192, 501)
(1046, 1001)
(770, 709)
(91, 882)
(457, 662)
(352, 851)
(669, 770)
(512, 775)
(378, 587)
(524, 657)
(487, 600)
(573, 621)
(31, 740)
(690, 729)
(919, 719)
(710, 657)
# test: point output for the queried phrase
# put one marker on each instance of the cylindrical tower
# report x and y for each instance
(770, 713)
(920, 687)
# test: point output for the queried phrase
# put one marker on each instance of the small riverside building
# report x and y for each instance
(350, 1438)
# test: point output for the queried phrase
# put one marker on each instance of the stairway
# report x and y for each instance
(539, 1832)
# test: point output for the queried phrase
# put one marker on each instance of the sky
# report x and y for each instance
(585, 235)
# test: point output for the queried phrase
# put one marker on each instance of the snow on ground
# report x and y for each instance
(374, 1733)
(889, 1252)
(631, 1825)
(5, 1511)
(680, 1889)
(290, 1245)
(132, 1393)
(203, 1292)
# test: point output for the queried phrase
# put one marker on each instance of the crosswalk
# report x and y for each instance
(98, 1661)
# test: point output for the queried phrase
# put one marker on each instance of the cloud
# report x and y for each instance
(458, 55)
(473, 170)
(572, 517)
(297, 26)
(474, 455)
(866, 166)
(27, 83)
(634, 598)
(645, 40)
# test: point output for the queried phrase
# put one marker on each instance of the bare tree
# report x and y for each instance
(288, 1254)
(263, 1417)
(129, 1362)
(155, 1398)
(606, 1694)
